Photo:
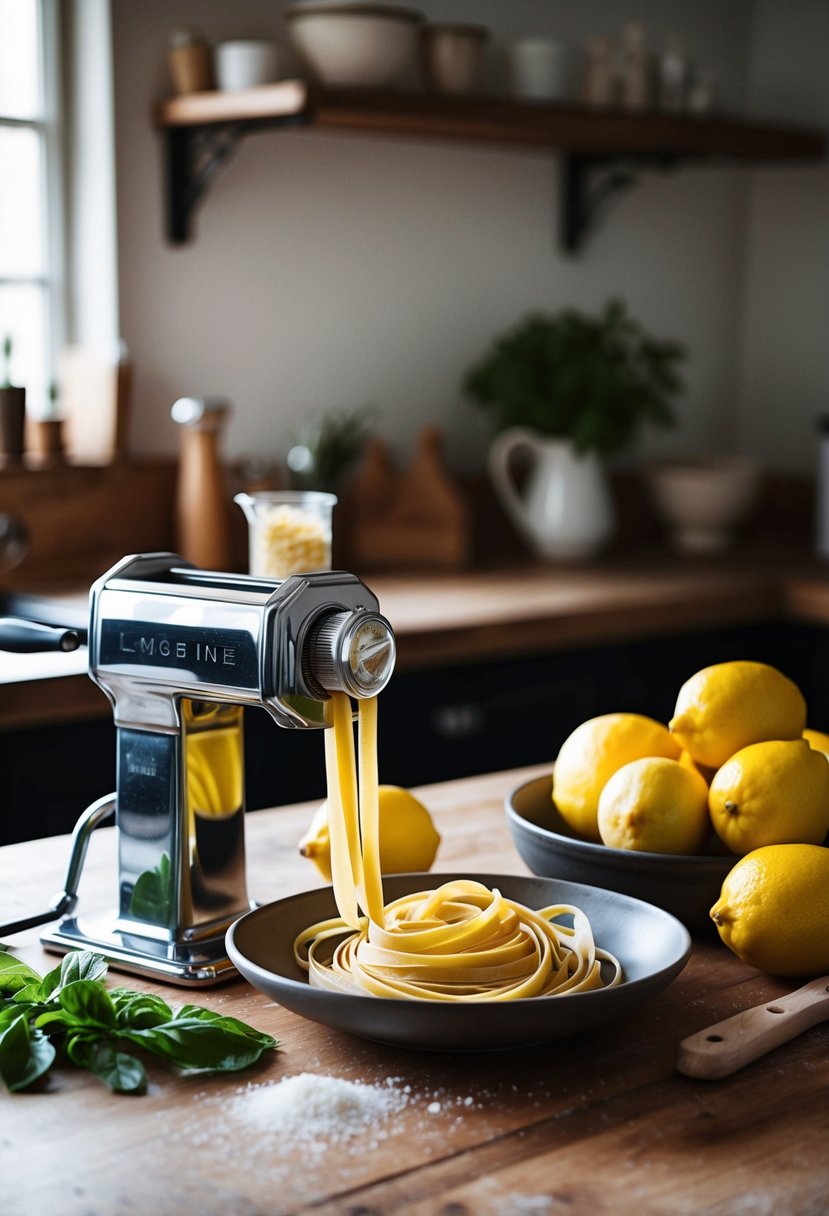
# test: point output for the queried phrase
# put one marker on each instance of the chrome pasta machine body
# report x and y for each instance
(180, 652)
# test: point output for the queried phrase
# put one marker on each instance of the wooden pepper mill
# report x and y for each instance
(203, 527)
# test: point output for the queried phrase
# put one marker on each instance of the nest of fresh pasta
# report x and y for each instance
(460, 941)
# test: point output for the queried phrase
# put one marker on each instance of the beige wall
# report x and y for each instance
(328, 272)
(784, 370)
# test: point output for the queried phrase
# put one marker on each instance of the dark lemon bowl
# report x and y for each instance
(686, 886)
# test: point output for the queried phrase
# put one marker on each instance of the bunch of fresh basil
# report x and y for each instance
(69, 1013)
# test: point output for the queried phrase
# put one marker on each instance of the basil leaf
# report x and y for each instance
(88, 1002)
(137, 1010)
(82, 1003)
(120, 1071)
(200, 1045)
(50, 983)
(9, 1013)
(230, 1023)
(28, 995)
(25, 1054)
(76, 966)
(15, 974)
(79, 965)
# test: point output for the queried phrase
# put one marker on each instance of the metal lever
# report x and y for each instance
(29, 637)
(65, 902)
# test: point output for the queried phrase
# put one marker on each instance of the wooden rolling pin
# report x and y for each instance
(721, 1050)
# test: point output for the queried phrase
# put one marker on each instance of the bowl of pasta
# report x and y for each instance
(538, 958)
(685, 885)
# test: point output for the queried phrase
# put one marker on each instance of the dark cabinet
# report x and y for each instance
(434, 725)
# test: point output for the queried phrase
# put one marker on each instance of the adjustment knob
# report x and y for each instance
(352, 652)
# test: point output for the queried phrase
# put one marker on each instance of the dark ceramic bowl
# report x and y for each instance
(652, 947)
(686, 886)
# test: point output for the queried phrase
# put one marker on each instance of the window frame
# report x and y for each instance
(47, 124)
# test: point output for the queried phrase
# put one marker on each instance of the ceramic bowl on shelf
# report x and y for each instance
(355, 45)
(686, 886)
(704, 501)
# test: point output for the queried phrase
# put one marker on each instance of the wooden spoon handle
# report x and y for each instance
(723, 1049)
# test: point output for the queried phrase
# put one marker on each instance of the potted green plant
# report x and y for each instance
(12, 411)
(567, 390)
(328, 447)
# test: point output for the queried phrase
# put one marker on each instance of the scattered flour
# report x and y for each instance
(310, 1110)
(526, 1205)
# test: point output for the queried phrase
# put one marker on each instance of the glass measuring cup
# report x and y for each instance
(289, 531)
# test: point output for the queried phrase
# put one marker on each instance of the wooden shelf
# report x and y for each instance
(603, 151)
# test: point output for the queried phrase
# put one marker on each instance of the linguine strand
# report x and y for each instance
(458, 942)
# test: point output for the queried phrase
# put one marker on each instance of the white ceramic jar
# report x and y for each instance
(245, 64)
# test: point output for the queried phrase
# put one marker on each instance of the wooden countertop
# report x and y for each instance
(599, 1123)
(442, 619)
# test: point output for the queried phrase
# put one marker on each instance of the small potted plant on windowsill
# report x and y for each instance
(12, 412)
(45, 435)
(567, 390)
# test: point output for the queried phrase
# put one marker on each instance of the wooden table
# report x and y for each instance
(599, 1123)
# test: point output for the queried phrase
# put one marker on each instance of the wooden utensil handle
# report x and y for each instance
(721, 1050)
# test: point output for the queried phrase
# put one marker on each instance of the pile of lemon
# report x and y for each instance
(737, 758)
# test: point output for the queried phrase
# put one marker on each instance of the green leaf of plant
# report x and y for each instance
(186, 1012)
(203, 1044)
(25, 1054)
(139, 1010)
(79, 965)
(87, 1001)
(29, 995)
(123, 1073)
(15, 974)
(592, 380)
(82, 1003)
(9, 1012)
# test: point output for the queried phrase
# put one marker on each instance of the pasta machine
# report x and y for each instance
(180, 652)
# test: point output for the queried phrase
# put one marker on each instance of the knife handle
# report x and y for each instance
(722, 1049)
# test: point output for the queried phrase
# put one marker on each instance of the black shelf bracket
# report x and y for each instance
(589, 182)
(194, 154)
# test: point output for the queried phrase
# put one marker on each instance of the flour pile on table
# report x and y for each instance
(308, 1109)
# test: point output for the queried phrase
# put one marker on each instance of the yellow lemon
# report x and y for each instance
(818, 740)
(593, 753)
(704, 771)
(408, 838)
(771, 793)
(773, 910)
(730, 705)
(655, 806)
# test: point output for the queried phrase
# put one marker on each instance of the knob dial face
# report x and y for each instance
(368, 654)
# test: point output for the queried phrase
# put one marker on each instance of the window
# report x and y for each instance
(31, 277)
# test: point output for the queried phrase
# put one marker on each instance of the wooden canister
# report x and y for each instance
(190, 67)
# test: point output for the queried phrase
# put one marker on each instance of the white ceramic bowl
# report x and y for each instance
(704, 501)
(355, 45)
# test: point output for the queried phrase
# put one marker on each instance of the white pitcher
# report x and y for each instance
(564, 510)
